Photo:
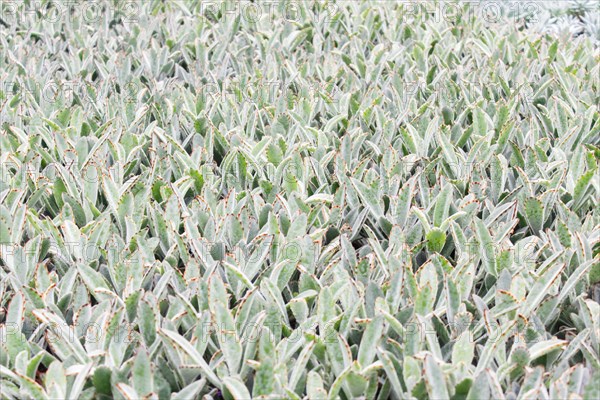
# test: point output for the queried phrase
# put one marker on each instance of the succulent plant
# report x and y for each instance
(298, 200)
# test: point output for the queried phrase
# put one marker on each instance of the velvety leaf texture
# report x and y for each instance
(299, 199)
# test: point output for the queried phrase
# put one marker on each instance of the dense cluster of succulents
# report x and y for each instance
(577, 17)
(305, 199)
